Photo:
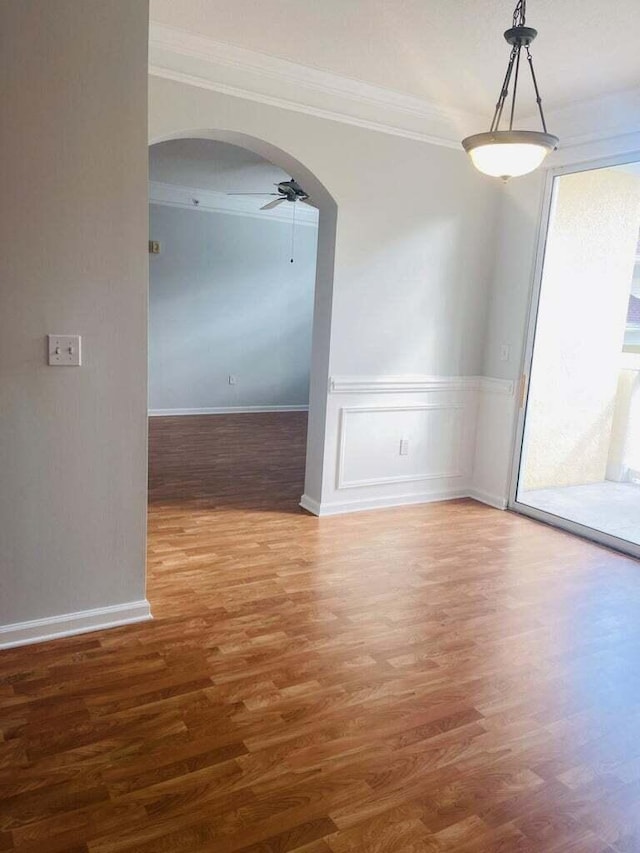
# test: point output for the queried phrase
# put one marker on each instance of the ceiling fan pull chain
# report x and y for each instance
(293, 231)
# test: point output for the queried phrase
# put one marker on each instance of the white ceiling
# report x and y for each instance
(208, 165)
(449, 52)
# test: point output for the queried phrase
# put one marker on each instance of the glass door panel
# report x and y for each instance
(580, 454)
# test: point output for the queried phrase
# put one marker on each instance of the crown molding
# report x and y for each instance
(198, 61)
(211, 201)
(610, 116)
(195, 60)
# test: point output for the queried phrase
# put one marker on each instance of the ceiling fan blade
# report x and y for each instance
(273, 203)
(264, 194)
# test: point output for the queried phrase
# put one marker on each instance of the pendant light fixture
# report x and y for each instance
(508, 153)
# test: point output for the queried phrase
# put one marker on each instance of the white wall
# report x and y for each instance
(225, 300)
(413, 254)
(73, 167)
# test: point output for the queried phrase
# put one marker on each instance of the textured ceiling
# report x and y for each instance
(447, 51)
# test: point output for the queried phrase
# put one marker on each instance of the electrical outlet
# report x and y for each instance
(154, 247)
(232, 379)
(64, 350)
(404, 447)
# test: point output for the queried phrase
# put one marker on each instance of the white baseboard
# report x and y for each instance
(69, 624)
(310, 505)
(380, 502)
(495, 501)
(318, 509)
(225, 410)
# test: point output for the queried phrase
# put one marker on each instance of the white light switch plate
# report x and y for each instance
(64, 350)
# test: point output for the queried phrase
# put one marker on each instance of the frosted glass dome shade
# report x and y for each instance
(509, 153)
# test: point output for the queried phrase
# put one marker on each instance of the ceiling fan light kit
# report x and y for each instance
(510, 153)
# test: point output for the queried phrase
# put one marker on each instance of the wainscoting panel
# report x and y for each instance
(455, 427)
(370, 438)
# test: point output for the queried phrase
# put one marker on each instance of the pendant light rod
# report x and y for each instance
(503, 93)
(511, 152)
(518, 36)
(537, 91)
(515, 89)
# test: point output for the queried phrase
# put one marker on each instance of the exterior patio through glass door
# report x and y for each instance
(579, 447)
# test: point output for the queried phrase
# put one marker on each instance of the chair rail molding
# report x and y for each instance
(496, 386)
(418, 383)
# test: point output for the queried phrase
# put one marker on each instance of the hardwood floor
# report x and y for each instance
(432, 678)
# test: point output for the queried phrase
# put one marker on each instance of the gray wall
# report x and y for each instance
(73, 167)
(224, 299)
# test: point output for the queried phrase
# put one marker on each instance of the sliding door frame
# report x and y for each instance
(605, 539)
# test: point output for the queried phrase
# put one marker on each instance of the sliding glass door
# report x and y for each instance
(579, 443)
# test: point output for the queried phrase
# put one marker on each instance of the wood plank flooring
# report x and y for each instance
(426, 679)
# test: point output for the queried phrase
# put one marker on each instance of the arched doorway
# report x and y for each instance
(319, 369)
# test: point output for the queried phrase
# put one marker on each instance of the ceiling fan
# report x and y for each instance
(287, 191)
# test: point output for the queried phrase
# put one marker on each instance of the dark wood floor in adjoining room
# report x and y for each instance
(433, 678)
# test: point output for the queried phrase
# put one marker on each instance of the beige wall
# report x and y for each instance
(587, 274)
(73, 231)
